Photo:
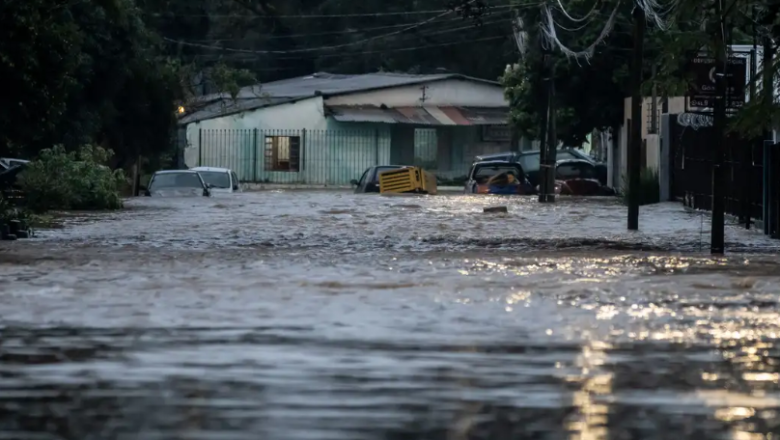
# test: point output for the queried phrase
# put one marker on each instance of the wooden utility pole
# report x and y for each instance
(543, 133)
(717, 236)
(552, 145)
(635, 142)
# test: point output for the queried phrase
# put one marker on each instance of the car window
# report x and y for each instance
(529, 161)
(483, 173)
(574, 171)
(217, 179)
(175, 180)
(363, 177)
(565, 155)
(235, 178)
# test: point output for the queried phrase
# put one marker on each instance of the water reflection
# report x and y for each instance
(315, 317)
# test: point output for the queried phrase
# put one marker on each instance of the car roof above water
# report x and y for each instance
(176, 171)
(496, 162)
(214, 169)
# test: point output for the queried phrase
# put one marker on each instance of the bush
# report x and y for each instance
(79, 180)
(649, 189)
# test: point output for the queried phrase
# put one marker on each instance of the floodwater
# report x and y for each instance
(328, 315)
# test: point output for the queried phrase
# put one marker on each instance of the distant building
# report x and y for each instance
(652, 154)
(327, 128)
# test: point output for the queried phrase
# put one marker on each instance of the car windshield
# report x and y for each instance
(531, 161)
(217, 179)
(483, 173)
(175, 180)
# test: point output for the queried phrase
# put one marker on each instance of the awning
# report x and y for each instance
(427, 115)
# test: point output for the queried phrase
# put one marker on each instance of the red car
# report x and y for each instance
(576, 177)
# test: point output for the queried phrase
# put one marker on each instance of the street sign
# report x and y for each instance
(701, 90)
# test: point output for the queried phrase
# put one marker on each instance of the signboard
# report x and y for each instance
(701, 90)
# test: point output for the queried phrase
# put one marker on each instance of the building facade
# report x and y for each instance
(327, 129)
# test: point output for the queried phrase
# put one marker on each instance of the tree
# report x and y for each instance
(39, 59)
(589, 93)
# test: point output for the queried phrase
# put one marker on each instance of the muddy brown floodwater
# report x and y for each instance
(328, 315)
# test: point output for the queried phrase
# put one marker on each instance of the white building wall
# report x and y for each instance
(441, 93)
(308, 114)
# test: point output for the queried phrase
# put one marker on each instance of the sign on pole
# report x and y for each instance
(701, 89)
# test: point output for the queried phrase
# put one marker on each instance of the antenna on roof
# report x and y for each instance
(424, 97)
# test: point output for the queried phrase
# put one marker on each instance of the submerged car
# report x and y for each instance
(221, 180)
(530, 161)
(497, 177)
(177, 183)
(369, 181)
(577, 177)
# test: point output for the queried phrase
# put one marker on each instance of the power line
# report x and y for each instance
(365, 15)
(337, 46)
(401, 49)
(317, 49)
(312, 49)
(320, 34)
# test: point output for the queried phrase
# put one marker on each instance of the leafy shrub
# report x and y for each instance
(649, 188)
(58, 179)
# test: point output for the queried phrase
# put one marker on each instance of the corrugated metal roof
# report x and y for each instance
(360, 114)
(485, 115)
(428, 115)
(224, 107)
(323, 83)
(336, 84)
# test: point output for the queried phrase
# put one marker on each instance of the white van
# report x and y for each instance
(221, 180)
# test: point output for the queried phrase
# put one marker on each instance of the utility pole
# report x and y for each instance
(635, 145)
(543, 133)
(654, 104)
(717, 237)
(747, 151)
(552, 145)
(771, 188)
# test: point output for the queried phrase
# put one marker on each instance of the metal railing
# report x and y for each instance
(315, 157)
(692, 159)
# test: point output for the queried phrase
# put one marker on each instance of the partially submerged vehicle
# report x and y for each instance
(497, 177)
(408, 180)
(221, 180)
(369, 181)
(531, 162)
(177, 183)
(576, 177)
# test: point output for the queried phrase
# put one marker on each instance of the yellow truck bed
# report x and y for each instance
(407, 180)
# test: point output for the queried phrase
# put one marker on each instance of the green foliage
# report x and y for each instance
(60, 180)
(649, 189)
(589, 94)
(231, 80)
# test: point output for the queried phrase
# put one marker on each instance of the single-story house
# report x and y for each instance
(328, 128)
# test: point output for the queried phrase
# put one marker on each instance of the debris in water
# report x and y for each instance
(495, 209)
